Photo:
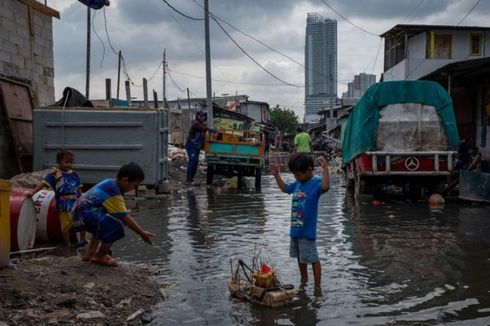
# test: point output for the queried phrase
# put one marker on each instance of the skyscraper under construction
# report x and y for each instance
(321, 65)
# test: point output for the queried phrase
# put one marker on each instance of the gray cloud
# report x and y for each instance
(141, 29)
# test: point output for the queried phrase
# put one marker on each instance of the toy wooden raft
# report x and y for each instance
(259, 285)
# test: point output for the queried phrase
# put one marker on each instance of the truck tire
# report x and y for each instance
(258, 179)
(359, 186)
(210, 174)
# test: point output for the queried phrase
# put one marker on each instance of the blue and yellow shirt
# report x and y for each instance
(304, 210)
(104, 198)
(65, 186)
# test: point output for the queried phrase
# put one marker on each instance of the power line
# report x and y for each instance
(227, 81)
(250, 57)
(266, 45)
(194, 41)
(469, 12)
(377, 54)
(414, 12)
(173, 82)
(181, 13)
(100, 39)
(347, 20)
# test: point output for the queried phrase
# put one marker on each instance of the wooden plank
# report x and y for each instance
(41, 8)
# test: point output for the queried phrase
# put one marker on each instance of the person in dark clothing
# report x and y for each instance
(194, 143)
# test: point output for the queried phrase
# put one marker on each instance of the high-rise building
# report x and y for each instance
(321, 65)
(359, 86)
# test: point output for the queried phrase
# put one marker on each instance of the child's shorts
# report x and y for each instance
(303, 249)
(104, 227)
(65, 221)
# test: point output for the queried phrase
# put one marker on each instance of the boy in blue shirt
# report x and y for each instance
(102, 212)
(306, 191)
(67, 187)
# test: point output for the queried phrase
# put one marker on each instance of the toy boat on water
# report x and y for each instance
(259, 285)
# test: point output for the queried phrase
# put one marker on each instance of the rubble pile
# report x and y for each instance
(176, 154)
(30, 179)
(56, 290)
(327, 144)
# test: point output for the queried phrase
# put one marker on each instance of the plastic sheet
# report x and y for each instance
(410, 127)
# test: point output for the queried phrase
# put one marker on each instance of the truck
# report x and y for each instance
(235, 152)
(401, 137)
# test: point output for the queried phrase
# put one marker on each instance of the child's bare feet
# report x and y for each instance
(105, 260)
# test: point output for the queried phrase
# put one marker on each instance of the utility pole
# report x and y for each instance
(209, 102)
(87, 71)
(164, 77)
(118, 74)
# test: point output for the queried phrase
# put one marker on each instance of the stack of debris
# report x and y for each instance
(328, 144)
(176, 154)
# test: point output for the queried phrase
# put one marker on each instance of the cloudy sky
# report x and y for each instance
(142, 29)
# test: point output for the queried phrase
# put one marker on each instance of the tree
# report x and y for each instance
(284, 119)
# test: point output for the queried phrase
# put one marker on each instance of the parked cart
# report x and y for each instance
(232, 152)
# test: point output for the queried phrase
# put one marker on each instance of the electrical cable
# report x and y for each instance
(377, 54)
(173, 82)
(181, 13)
(469, 12)
(226, 81)
(100, 39)
(266, 45)
(347, 20)
(250, 57)
(195, 43)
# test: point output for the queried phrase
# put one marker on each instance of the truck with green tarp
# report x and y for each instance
(401, 136)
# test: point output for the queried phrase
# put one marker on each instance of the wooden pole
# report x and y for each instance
(108, 95)
(118, 74)
(145, 92)
(128, 92)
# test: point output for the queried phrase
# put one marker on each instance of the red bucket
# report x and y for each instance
(22, 220)
(48, 219)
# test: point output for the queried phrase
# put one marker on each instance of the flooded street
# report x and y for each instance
(392, 264)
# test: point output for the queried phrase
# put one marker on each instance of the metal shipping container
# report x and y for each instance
(103, 140)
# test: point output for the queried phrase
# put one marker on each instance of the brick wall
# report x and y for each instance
(26, 49)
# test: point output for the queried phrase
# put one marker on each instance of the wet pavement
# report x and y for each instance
(392, 264)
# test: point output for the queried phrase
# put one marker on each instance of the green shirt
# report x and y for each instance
(302, 142)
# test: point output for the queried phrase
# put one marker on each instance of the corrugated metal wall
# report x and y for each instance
(103, 140)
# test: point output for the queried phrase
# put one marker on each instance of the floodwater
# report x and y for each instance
(392, 264)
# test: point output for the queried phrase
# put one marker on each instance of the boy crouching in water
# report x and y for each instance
(306, 191)
(101, 211)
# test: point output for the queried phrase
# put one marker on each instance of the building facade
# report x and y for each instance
(320, 65)
(458, 58)
(414, 51)
(359, 85)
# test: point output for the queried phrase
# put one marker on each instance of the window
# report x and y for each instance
(439, 46)
(476, 44)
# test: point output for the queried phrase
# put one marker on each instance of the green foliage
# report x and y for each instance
(284, 119)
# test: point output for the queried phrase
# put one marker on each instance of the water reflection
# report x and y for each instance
(383, 265)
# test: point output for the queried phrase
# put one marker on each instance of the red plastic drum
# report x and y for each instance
(22, 220)
(48, 219)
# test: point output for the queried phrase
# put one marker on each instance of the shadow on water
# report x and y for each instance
(384, 265)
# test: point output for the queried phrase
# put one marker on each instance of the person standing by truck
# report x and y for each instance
(302, 142)
(194, 143)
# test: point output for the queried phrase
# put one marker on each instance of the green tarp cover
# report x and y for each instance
(360, 132)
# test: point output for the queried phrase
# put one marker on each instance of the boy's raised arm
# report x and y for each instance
(131, 223)
(274, 170)
(325, 178)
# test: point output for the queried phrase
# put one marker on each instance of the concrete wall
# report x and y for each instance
(26, 49)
